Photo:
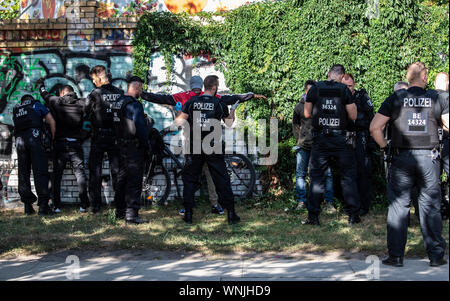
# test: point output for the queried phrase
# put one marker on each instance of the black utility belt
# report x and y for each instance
(131, 141)
(328, 132)
(21, 131)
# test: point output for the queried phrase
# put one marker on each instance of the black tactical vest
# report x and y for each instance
(204, 112)
(123, 129)
(25, 117)
(68, 113)
(414, 123)
(329, 111)
(103, 116)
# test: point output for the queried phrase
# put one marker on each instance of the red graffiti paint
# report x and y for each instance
(48, 8)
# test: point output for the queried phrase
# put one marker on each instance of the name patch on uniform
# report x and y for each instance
(335, 122)
(21, 112)
(329, 105)
(421, 102)
(205, 106)
(110, 97)
(417, 122)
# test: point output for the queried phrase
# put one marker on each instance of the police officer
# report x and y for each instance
(414, 116)
(133, 139)
(203, 114)
(103, 136)
(68, 111)
(441, 85)
(330, 104)
(27, 118)
(363, 143)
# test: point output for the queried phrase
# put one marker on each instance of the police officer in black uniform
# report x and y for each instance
(103, 136)
(204, 113)
(441, 85)
(330, 104)
(364, 143)
(68, 111)
(414, 116)
(133, 139)
(27, 118)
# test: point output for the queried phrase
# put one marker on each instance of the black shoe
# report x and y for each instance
(233, 218)
(29, 210)
(136, 220)
(437, 262)
(354, 219)
(311, 221)
(45, 210)
(393, 261)
(188, 216)
(216, 209)
(94, 209)
(120, 214)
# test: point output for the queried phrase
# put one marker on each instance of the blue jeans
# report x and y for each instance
(302, 170)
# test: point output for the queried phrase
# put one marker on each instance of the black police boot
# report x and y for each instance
(435, 262)
(312, 220)
(233, 218)
(363, 212)
(132, 217)
(354, 219)
(28, 208)
(45, 210)
(393, 261)
(94, 209)
(188, 216)
(120, 213)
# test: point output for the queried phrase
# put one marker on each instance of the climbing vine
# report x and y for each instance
(272, 48)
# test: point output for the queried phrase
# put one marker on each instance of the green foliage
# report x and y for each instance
(9, 9)
(272, 48)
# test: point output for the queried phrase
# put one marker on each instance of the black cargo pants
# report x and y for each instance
(72, 151)
(411, 168)
(31, 155)
(219, 174)
(364, 169)
(323, 149)
(99, 146)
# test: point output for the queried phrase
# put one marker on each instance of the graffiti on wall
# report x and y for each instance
(38, 9)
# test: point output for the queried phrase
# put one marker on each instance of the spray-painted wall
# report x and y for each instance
(75, 46)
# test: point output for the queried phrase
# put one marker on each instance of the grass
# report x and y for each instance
(265, 227)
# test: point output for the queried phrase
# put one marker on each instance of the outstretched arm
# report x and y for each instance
(162, 99)
(48, 98)
(232, 98)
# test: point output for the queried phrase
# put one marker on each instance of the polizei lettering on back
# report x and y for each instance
(110, 97)
(421, 102)
(335, 122)
(205, 106)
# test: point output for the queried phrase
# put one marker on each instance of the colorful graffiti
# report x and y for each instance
(38, 9)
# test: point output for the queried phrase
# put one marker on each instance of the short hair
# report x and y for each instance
(211, 81)
(97, 70)
(348, 75)
(309, 82)
(337, 69)
(26, 97)
(415, 71)
(67, 88)
(136, 79)
(400, 85)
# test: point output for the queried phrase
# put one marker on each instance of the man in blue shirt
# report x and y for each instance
(27, 118)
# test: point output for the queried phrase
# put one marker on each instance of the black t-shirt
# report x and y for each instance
(312, 95)
(204, 111)
(387, 107)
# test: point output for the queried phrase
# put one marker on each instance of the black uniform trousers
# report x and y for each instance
(192, 174)
(129, 183)
(445, 165)
(323, 149)
(71, 151)
(411, 168)
(99, 146)
(364, 169)
(32, 156)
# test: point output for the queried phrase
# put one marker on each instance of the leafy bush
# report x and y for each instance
(274, 47)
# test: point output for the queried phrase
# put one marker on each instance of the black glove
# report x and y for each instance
(40, 82)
